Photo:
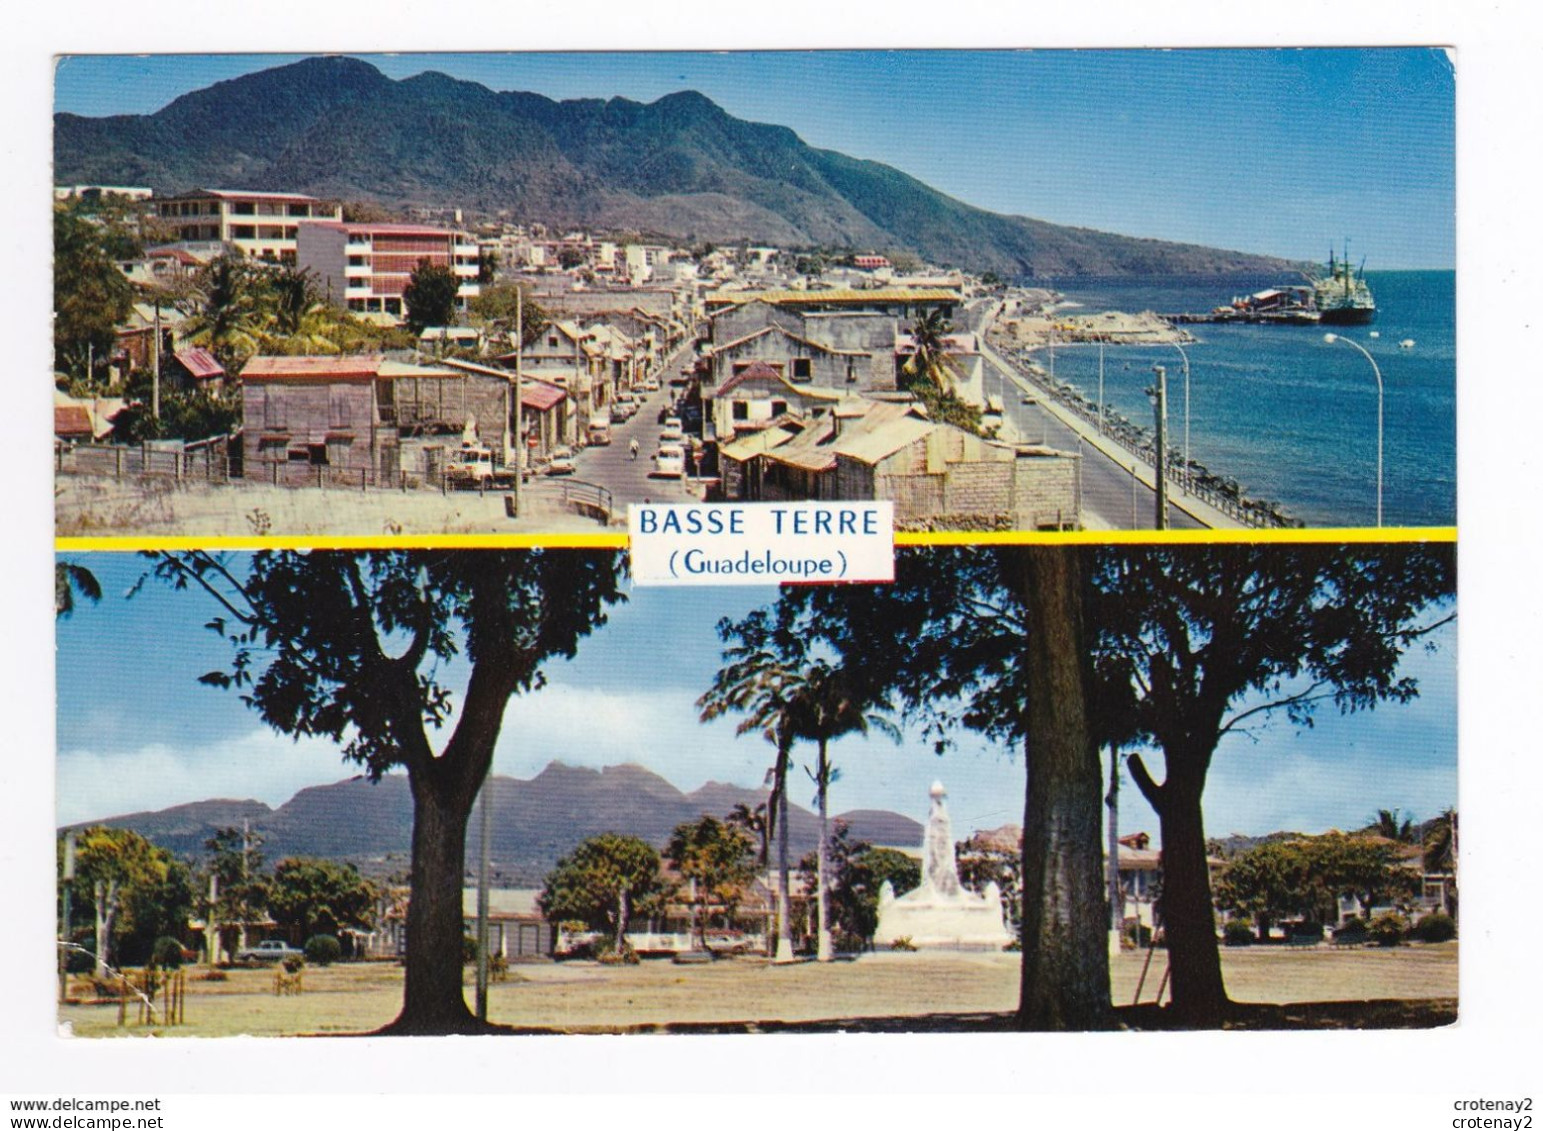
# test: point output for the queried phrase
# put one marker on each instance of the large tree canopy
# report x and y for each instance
(430, 296)
(1193, 644)
(602, 883)
(991, 639)
(367, 650)
(92, 297)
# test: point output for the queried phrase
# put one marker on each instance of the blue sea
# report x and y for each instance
(1289, 416)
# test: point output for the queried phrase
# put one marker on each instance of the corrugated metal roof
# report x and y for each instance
(71, 420)
(397, 369)
(870, 441)
(199, 362)
(359, 367)
(542, 397)
(755, 443)
(841, 295)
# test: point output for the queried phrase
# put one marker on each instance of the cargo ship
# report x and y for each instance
(1342, 296)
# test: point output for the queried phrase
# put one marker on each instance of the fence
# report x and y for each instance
(208, 461)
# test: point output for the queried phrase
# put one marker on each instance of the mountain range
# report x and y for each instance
(534, 822)
(679, 168)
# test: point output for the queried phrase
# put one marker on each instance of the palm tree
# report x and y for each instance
(70, 579)
(1386, 824)
(826, 708)
(759, 683)
(928, 331)
(226, 312)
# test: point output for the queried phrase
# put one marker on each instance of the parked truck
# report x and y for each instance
(472, 465)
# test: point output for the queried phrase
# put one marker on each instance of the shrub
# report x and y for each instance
(323, 950)
(1238, 932)
(293, 964)
(903, 943)
(1388, 929)
(1438, 926)
(1351, 931)
(166, 953)
(608, 955)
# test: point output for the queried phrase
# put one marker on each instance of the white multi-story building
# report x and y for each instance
(366, 267)
(264, 225)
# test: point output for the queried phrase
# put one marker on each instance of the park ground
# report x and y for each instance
(886, 991)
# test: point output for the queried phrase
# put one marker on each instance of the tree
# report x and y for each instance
(758, 682)
(826, 707)
(319, 897)
(1307, 878)
(930, 376)
(1386, 824)
(602, 882)
(1441, 844)
(718, 859)
(430, 296)
(858, 871)
(227, 315)
(496, 304)
(981, 862)
(363, 649)
(71, 580)
(241, 889)
(92, 298)
(1193, 645)
(991, 639)
(110, 865)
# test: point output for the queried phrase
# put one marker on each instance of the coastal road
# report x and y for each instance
(1113, 497)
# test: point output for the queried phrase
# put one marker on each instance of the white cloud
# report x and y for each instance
(97, 783)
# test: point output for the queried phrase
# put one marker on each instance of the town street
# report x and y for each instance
(611, 465)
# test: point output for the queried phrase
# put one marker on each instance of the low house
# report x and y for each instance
(312, 412)
(939, 477)
(345, 419)
(516, 927)
(194, 369)
(757, 393)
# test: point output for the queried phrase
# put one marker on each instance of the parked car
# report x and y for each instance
(670, 461)
(561, 462)
(270, 950)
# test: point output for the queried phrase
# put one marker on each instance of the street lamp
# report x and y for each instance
(1158, 395)
(1185, 356)
(1331, 338)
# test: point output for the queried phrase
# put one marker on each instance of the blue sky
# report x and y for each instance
(1278, 151)
(136, 731)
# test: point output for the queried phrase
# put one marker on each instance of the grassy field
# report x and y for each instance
(585, 997)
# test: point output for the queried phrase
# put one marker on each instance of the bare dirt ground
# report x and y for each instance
(1415, 985)
(98, 506)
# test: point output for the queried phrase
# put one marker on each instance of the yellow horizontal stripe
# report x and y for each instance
(1325, 534)
(618, 541)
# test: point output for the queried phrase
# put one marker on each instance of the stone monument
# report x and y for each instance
(941, 912)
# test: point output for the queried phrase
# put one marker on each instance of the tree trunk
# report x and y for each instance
(784, 932)
(106, 899)
(433, 999)
(621, 921)
(822, 772)
(1065, 982)
(1188, 915)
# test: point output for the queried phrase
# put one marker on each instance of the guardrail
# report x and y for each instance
(1196, 480)
(587, 498)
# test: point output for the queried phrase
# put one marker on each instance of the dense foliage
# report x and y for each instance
(603, 883)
